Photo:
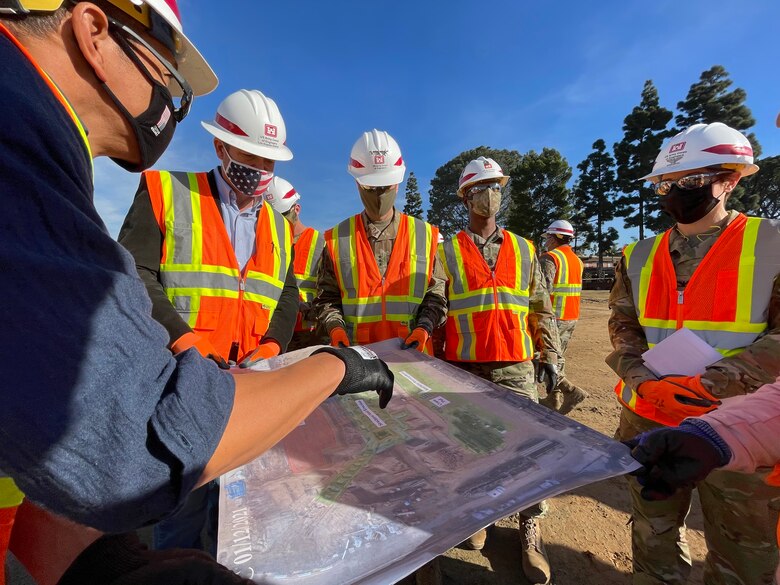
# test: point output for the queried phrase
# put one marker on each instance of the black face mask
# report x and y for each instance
(155, 127)
(688, 206)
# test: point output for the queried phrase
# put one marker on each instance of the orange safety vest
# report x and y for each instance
(199, 271)
(726, 301)
(377, 307)
(308, 249)
(487, 319)
(567, 286)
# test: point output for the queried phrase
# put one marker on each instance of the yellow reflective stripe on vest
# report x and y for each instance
(307, 280)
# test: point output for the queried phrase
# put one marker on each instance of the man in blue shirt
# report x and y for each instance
(98, 421)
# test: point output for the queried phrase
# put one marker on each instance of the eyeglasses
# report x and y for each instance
(180, 112)
(689, 182)
(375, 190)
(478, 188)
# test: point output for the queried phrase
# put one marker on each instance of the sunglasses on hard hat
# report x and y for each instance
(687, 183)
(185, 103)
(478, 188)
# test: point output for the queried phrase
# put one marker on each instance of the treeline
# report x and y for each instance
(607, 185)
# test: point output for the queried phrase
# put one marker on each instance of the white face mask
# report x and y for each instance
(247, 180)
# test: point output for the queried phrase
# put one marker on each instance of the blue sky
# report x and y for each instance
(444, 77)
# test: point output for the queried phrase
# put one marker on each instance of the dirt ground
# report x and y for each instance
(586, 531)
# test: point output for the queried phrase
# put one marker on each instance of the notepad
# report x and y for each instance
(683, 353)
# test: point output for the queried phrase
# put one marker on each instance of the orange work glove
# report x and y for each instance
(203, 346)
(679, 396)
(338, 337)
(267, 349)
(416, 339)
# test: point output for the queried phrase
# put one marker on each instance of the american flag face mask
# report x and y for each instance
(248, 180)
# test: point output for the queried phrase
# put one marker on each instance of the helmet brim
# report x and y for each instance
(502, 180)
(745, 171)
(195, 69)
(383, 179)
(281, 154)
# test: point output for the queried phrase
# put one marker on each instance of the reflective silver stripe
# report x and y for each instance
(627, 394)
(716, 339)
(183, 218)
(358, 310)
(191, 279)
(506, 298)
(472, 301)
(265, 289)
(457, 287)
(636, 260)
(767, 253)
(421, 257)
(466, 336)
(400, 308)
(567, 288)
(524, 248)
(344, 242)
(307, 284)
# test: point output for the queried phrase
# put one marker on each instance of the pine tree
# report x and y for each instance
(645, 130)
(709, 100)
(413, 204)
(539, 193)
(446, 208)
(764, 188)
(594, 192)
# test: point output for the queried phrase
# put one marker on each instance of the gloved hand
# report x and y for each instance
(267, 349)
(679, 397)
(338, 337)
(364, 372)
(547, 374)
(203, 346)
(675, 458)
(121, 559)
(416, 339)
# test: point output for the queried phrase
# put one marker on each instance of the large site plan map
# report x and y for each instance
(361, 495)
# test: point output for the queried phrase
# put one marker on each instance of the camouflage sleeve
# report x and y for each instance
(541, 320)
(548, 269)
(626, 334)
(432, 312)
(759, 364)
(326, 306)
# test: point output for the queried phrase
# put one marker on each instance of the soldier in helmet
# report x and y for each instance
(715, 273)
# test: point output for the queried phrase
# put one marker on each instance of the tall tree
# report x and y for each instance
(764, 187)
(413, 204)
(446, 209)
(539, 193)
(709, 100)
(644, 131)
(594, 192)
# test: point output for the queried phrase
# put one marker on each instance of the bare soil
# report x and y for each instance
(586, 531)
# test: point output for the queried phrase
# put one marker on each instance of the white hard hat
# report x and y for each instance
(704, 145)
(480, 169)
(561, 227)
(251, 122)
(162, 21)
(376, 161)
(281, 195)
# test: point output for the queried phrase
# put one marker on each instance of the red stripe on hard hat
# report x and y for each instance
(399, 162)
(229, 126)
(467, 177)
(737, 149)
(175, 7)
(356, 164)
(289, 194)
(564, 230)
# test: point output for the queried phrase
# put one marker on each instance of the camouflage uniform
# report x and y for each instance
(519, 376)
(740, 511)
(381, 235)
(565, 328)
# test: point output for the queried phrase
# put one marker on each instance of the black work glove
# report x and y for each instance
(675, 458)
(121, 559)
(547, 374)
(364, 372)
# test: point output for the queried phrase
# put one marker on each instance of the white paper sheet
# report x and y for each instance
(683, 353)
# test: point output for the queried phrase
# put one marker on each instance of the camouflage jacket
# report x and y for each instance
(381, 235)
(759, 364)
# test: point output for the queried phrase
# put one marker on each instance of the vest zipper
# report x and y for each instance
(384, 308)
(680, 305)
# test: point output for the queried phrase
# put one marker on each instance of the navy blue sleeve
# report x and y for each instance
(98, 421)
